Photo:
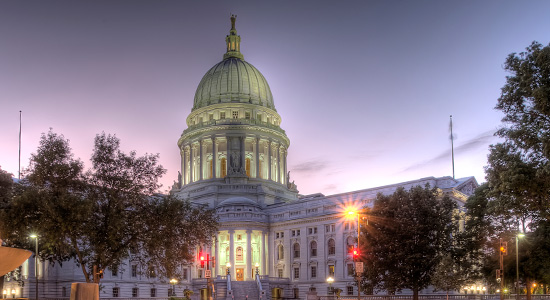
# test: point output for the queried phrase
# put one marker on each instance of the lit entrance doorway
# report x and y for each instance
(240, 274)
(276, 293)
(205, 294)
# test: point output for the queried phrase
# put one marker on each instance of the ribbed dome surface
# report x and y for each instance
(233, 80)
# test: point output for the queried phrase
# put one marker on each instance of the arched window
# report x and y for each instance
(280, 252)
(239, 253)
(247, 167)
(313, 248)
(296, 249)
(331, 247)
(223, 169)
(350, 244)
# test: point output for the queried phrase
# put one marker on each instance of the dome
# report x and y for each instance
(233, 80)
(237, 201)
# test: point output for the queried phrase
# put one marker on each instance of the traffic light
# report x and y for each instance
(355, 253)
(498, 275)
(503, 248)
(100, 274)
(202, 261)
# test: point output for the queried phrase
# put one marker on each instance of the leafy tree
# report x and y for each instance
(6, 185)
(518, 171)
(407, 234)
(446, 275)
(105, 215)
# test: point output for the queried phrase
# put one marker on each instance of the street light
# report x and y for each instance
(519, 235)
(257, 269)
(351, 214)
(35, 237)
(13, 293)
(173, 282)
(228, 265)
(4, 292)
(330, 280)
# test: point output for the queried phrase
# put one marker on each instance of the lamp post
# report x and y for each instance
(257, 269)
(228, 265)
(519, 235)
(173, 282)
(4, 293)
(330, 280)
(35, 237)
(13, 293)
(356, 254)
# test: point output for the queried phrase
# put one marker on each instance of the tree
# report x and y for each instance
(107, 214)
(6, 185)
(518, 171)
(446, 275)
(407, 234)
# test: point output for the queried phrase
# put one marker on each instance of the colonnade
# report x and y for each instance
(219, 156)
(243, 249)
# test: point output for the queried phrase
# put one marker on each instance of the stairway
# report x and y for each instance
(243, 288)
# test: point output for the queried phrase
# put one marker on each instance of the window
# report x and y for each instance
(235, 114)
(327, 228)
(63, 292)
(135, 292)
(331, 270)
(153, 292)
(350, 244)
(333, 227)
(134, 270)
(281, 252)
(210, 117)
(239, 253)
(115, 292)
(312, 230)
(222, 115)
(184, 275)
(296, 273)
(331, 247)
(350, 290)
(313, 271)
(350, 269)
(223, 169)
(296, 293)
(280, 273)
(247, 115)
(239, 237)
(313, 248)
(346, 226)
(151, 272)
(296, 250)
(114, 271)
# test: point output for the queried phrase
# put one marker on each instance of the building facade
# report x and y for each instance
(272, 241)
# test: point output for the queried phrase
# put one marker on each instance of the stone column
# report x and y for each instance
(283, 166)
(263, 257)
(249, 264)
(232, 252)
(201, 155)
(243, 153)
(216, 254)
(278, 170)
(191, 162)
(183, 173)
(214, 156)
(269, 160)
(258, 157)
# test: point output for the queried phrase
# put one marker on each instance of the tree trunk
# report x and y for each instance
(415, 293)
(528, 288)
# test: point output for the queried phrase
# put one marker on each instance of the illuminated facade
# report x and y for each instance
(234, 160)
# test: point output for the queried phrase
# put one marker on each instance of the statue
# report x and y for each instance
(179, 179)
(233, 17)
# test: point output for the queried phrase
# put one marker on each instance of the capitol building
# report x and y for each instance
(272, 242)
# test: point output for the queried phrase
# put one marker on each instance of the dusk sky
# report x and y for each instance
(364, 88)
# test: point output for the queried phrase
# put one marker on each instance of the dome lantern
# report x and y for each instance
(233, 42)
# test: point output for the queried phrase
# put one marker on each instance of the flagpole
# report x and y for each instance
(452, 146)
(19, 176)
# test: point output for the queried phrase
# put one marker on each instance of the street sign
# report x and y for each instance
(359, 267)
(207, 273)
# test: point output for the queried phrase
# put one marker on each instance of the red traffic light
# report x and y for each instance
(202, 258)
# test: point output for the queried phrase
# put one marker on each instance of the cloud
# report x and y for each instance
(309, 166)
(330, 187)
(482, 140)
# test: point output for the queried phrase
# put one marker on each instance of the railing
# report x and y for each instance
(436, 297)
(228, 284)
(233, 122)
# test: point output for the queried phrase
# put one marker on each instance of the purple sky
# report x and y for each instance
(364, 88)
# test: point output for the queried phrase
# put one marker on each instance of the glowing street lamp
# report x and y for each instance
(330, 280)
(519, 235)
(35, 237)
(257, 269)
(228, 265)
(4, 293)
(173, 282)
